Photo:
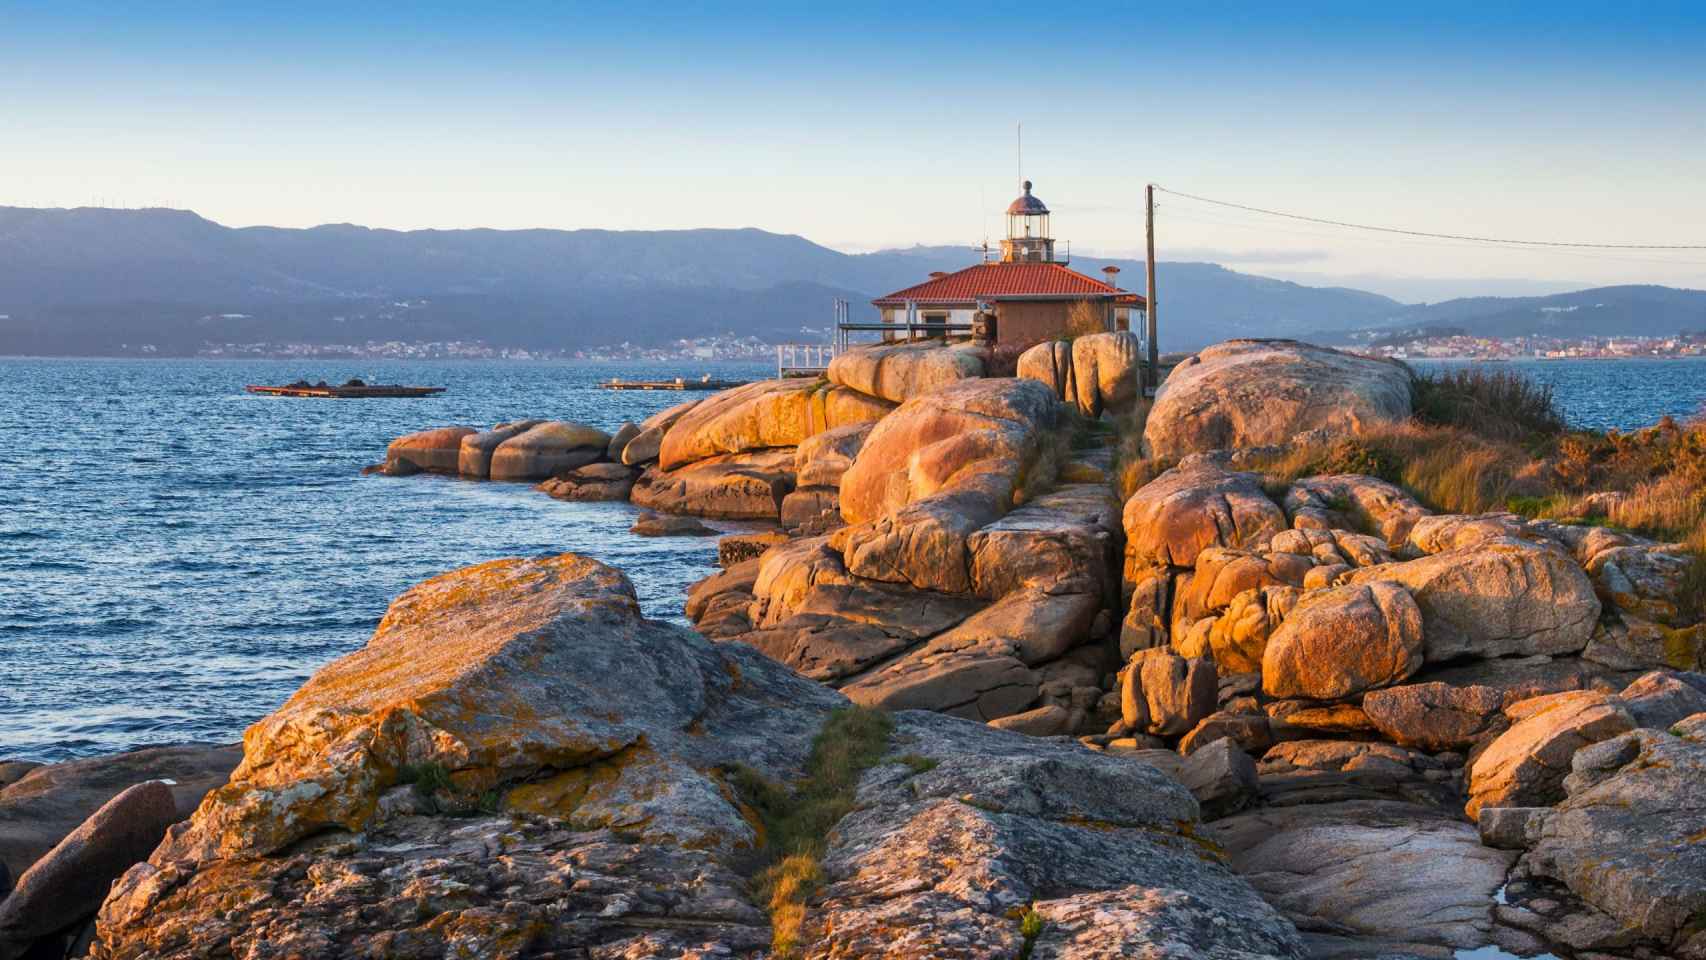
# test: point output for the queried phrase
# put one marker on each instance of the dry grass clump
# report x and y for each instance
(1085, 317)
(797, 821)
(1498, 405)
(1484, 442)
(1131, 468)
(1447, 468)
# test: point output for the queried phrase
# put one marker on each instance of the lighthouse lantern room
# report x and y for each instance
(1028, 239)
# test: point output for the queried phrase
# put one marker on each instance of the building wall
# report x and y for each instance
(1026, 322)
(1021, 323)
(898, 314)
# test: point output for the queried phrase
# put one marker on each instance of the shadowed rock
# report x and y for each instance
(428, 451)
(70, 882)
(741, 486)
(548, 449)
(1627, 837)
(1372, 868)
(1435, 716)
(51, 800)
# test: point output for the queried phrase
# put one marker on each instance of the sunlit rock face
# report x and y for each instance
(1255, 393)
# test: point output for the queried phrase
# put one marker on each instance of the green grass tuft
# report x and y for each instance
(1031, 926)
(918, 763)
(797, 820)
(427, 778)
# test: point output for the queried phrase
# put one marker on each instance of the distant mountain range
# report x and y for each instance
(93, 281)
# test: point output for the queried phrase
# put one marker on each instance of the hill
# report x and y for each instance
(98, 281)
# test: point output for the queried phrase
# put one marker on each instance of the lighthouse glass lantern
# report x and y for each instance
(1028, 237)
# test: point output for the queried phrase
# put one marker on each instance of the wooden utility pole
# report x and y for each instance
(1153, 374)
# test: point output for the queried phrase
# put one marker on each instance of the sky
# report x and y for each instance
(867, 126)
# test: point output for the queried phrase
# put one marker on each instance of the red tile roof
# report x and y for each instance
(994, 281)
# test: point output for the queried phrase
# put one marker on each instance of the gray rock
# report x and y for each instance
(666, 525)
(1626, 839)
(1222, 777)
(1302, 772)
(1661, 700)
(50, 801)
(619, 441)
(1178, 692)
(1508, 828)
(942, 863)
(70, 882)
(1376, 869)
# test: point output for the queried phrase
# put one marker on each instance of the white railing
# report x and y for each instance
(803, 359)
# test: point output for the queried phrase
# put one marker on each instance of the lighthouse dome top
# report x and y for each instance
(1027, 205)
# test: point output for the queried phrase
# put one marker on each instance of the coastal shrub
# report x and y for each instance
(919, 763)
(1496, 404)
(1031, 925)
(797, 819)
(1131, 468)
(1352, 456)
(438, 792)
(1083, 318)
(1446, 468)
(1618, 460)
(1004, 359)
(428, 778)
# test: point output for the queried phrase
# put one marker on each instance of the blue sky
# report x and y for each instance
(884, 125)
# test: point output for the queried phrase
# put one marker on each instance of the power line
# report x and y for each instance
(1201, 216)
(1436, 236)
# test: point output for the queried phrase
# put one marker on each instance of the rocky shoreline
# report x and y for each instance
(1224, 716)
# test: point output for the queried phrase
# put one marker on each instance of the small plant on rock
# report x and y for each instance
(797, 821)
(1031, 924)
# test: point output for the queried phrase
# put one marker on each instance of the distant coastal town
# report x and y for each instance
(724, 346)
(731, 346)
(1540, 348)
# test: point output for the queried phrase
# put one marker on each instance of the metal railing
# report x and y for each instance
(1062, 253)
(914, 329)
(803, 359)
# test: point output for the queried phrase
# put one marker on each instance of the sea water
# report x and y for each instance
(178, 556)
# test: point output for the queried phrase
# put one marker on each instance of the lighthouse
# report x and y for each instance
(1028, 239)
(1027, 296)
